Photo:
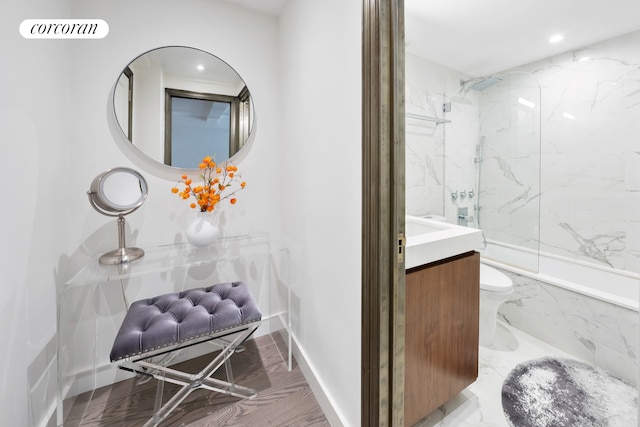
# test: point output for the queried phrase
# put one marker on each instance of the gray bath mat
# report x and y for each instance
(550, 392)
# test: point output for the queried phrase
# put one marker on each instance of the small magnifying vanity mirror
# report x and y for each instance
(118, 192)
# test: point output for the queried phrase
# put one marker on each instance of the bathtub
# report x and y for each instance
(614, 286)
(583, 309)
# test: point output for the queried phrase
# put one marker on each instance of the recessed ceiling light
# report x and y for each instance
(200, 67)
(556, 38)
(569, 116)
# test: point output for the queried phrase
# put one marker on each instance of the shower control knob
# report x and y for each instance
(471, 194)
(463, 194)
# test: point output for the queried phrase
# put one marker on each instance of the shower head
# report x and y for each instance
(481, 83)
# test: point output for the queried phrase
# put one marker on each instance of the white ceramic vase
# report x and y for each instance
(203, 230)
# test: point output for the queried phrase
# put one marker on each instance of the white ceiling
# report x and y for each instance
(272, 7)
(480, 37)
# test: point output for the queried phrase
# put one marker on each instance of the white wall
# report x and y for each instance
(56, 139)
(303, 170)
(34, 135)
(320, 45)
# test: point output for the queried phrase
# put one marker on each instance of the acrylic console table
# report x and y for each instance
(92, 305)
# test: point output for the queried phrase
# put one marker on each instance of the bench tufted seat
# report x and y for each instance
(177, 318)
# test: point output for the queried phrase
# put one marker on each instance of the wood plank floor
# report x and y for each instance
(284, 397)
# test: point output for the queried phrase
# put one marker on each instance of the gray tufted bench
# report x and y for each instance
(163, 325)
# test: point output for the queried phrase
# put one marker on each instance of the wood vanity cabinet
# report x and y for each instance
(441, 332)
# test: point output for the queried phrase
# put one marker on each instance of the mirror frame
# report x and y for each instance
(107, 207)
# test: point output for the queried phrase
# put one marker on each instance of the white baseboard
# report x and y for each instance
(327, 404)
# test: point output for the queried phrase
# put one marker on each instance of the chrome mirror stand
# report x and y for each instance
(122, 254)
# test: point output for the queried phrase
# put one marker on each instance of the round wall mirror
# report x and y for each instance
(179, 104)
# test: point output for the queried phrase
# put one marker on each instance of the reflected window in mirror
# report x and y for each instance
(203, 124)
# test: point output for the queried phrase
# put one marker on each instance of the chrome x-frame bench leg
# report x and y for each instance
(191, 382)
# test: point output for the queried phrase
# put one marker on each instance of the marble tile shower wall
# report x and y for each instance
(429, 86)
(596, 331)
(590, 122)
(589, 191)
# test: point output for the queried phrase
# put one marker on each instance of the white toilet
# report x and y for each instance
(495, 288)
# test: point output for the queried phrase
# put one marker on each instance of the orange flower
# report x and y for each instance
(218, 183)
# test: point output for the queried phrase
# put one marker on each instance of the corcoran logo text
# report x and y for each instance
(64, 28)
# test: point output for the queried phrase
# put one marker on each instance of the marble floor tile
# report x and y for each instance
(480, 404)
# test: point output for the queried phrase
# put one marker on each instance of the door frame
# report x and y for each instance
(383, 211)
